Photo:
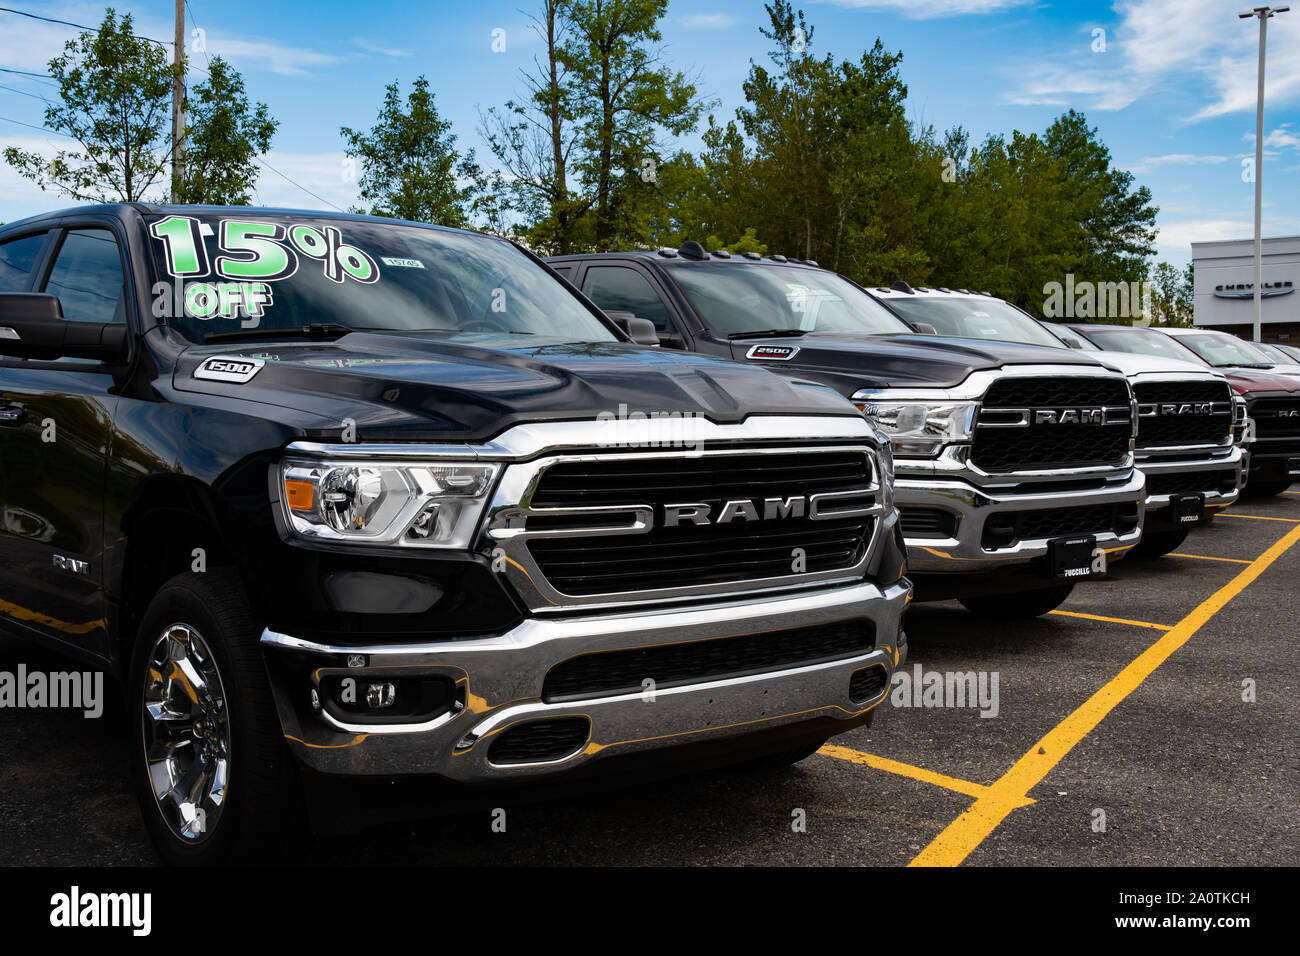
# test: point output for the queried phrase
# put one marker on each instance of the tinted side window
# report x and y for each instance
(620, 289)
(17, 260)
(87, 277)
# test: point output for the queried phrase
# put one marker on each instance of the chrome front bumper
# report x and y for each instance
(973, 506)
(500, 678)
(1227, 459)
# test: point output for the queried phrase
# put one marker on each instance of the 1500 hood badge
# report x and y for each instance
(229, 368)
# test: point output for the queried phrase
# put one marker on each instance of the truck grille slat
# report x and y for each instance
(1040, 446)
(605, 673)
(689, 554)
(1158, 427)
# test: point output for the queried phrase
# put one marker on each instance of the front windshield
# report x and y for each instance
(1141, 342)
(737, 299)
(1220, 348)
(974, 318)
(252, 274)
(1275, 352)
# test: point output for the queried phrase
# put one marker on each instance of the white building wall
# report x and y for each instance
(1221, 268)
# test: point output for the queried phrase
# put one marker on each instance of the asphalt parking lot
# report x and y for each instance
(1121, 738)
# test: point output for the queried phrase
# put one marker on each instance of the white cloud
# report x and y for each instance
(377, 49)
(1160, 45)
(923, 10)
(27, 44)
(325, 174)
(1177, 159)
(710, 21)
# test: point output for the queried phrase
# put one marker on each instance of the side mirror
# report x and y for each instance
(32, 326)
(640, 331)
(1071, 342)
(925, 328)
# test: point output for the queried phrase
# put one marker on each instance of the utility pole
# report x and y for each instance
(178, 100)
(1263, 13)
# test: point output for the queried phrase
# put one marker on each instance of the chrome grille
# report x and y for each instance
(1059, 422)
(621, 528)
(1173, 414)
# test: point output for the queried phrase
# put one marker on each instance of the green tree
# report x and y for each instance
(1171, 295)
(224, 136)
(114, 100)
(584, 146)
(410, 167)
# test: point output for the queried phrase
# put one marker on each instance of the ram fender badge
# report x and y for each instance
(229, 368)
(781, 353)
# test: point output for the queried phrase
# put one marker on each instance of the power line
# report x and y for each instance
(23, 93)
(299, 185)
(25, 73)
(43, 129)
(79, 26)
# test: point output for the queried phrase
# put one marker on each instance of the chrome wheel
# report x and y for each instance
(186, 733)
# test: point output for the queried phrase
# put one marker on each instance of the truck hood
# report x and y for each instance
(851, 362)
(1132, 364)
(1247, 380)
(415, 386)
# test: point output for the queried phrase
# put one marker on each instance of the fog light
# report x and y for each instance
(315, 700)
(380, 696)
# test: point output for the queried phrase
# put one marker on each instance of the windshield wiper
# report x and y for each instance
(315, 330)
(766, 333)
(1242, 365)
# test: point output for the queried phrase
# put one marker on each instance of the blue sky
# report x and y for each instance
(1173, 91)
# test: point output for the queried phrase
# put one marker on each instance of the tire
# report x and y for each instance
(1018, 607)
(1156, 544)
(222, 742)
(1267, 488)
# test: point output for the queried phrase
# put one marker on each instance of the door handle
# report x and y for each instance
(12, 416)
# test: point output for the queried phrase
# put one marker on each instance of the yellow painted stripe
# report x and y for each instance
(1233, 514)
(1112, 620)
(966, 787)
(964, 834)
(1207, 557)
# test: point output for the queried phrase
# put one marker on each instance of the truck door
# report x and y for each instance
(57, 425)
(623, 287)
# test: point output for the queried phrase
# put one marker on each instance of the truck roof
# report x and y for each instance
(125, 211)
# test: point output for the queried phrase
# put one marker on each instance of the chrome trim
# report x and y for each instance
(505, 532)
(538, 438)
(975, 385)
(973, 505)
(503, 677)
(954, 459)
(1221, 458)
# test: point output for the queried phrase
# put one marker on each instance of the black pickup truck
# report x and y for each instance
(1015, 463)
(345, 496)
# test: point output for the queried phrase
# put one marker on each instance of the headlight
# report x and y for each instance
(393, 504)
(921, 429)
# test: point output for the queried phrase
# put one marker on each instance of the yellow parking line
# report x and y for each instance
(1206, 557)
(1233, 514)
(964, 834)
(1112, 620)
(966, 787)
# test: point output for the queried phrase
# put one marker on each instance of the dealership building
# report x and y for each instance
(1224, 287)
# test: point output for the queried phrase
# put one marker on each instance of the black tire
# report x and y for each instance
(1018, 607)
(1266, 488)
(1156, 544)
(259, 816)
